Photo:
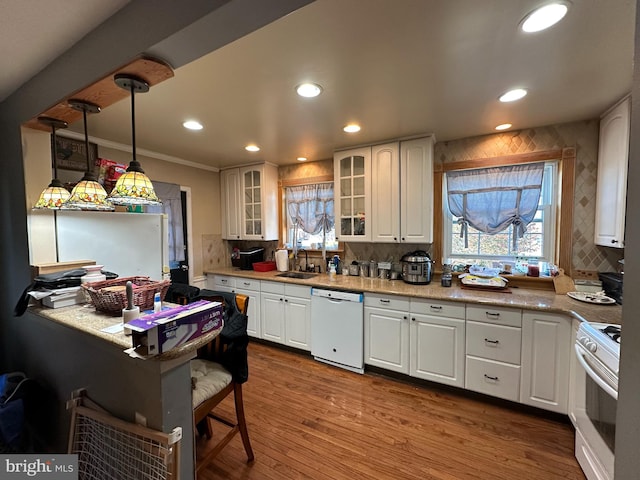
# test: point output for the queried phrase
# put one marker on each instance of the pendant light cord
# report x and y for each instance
(133, 122)
(86, 139)
(54, 150)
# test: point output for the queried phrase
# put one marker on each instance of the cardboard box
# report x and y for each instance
(44, 268)
(160, 332)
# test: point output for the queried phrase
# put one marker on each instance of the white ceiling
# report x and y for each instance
(399, 68)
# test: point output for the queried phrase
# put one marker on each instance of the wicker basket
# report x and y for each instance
(110, 300)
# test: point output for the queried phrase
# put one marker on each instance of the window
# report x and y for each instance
(486, 249)
(310, 216)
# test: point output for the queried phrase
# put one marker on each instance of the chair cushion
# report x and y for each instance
(208, 379)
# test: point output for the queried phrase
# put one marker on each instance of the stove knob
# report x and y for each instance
(592, 347)
(584, 340)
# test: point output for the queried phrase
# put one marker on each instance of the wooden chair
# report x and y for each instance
(212, 383)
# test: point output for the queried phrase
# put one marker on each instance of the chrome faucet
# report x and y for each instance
(306, 260)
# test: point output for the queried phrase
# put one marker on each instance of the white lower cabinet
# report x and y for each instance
(546, 360)
(286, 314)
(493, 351)
(386, 332)
(437, 333)
(297, 316)
(272, 309)
(251, 288)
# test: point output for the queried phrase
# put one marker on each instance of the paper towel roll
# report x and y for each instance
(282, 260)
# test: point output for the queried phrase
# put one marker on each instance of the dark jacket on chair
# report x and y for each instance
(233, 335)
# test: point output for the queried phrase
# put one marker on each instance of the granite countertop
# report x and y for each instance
(527, 298)
(86, 318)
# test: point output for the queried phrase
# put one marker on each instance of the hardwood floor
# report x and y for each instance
(308, 420)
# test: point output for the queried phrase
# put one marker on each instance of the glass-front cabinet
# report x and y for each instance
(252, 204)
(352, 170)
(252, 212)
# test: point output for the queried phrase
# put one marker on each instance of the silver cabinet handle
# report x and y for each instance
(495, 379)
(492, 314)
(385, 300)
(493, 342)
(435, 307)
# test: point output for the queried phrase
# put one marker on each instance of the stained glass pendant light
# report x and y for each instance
(133, 187)
(88, 194)
(55, 194)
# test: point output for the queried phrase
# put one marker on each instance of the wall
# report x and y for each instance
(584, 137)
(204, 185)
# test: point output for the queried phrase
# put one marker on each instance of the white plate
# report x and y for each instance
(591, 298)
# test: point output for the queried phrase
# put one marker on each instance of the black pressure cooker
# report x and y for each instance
(416, 267)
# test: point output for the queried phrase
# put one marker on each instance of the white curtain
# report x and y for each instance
(169, 194)
(310, 207)
(492, 199)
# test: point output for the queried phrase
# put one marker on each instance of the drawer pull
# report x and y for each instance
(246, 284)
(385, 300)
(435, 307)
(494, 379)
(493, 342)
(492, 314)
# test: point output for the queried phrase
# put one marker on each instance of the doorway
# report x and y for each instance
(180, 268)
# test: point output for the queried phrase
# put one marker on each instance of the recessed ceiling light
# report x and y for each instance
(544, 17)
(302, 159)
(192, 125)
(252, 148)
(513, 95)
(504, 126)
(309, 90)
(352, 128)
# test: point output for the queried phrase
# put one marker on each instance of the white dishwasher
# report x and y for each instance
(337, 328)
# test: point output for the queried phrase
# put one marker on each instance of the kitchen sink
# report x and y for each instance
(300, 275)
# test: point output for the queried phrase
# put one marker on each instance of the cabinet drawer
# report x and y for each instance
(494, 342)
(248, 284)
(300, 291)
(224, 281)
(272, 287)
(439, 308)
(493, 378)
(498, 315)
(392, 302)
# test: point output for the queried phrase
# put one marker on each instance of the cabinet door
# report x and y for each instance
(416, 190)
(297, 314)
(437, 349)
(272, 317)
(352, 194)
(253, 312)
(385, 194)
(251, 203)
(546, 350)
(230, 203)
(613, 154)
(386, 339)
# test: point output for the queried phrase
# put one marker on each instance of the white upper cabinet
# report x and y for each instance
(250, 203)
(230, 204)
(352, 197)
(416, 190)
(384, 193)
(613, 156)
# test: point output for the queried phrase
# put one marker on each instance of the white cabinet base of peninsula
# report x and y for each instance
(546, 350)
(613, 159)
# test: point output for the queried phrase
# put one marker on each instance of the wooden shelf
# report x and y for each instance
(105, 92)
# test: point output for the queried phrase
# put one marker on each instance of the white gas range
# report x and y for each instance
(595, 385)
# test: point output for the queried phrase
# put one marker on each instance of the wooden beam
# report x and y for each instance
(105, 92)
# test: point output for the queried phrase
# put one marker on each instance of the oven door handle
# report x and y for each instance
(593, 374)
